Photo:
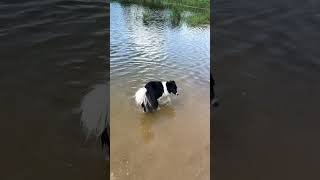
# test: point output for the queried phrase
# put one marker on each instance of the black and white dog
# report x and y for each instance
(153, 93)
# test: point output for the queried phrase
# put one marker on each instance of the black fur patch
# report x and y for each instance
(172, 87)
(155, 91)
(105, 140)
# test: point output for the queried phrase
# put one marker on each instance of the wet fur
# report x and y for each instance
(153, 91)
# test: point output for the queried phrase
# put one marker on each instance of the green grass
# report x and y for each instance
(195, 3)
(205, 4)
(156, 4)
(175, 16)
(146, 16)
(198, 19)
(200, 9)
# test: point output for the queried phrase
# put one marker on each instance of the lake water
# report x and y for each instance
(53, 53)
(172, 143)
(267, 69)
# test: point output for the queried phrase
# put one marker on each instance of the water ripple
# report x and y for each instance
(142, 52)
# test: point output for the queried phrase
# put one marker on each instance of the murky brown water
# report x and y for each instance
(172, 143)
(267, 76)
(52, 54)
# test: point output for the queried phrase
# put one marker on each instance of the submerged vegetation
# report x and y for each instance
(200, 10)
(175, 16)
(146, 16)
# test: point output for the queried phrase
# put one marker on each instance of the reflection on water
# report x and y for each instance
(95, 110)
(172, 143)
(52, 52)
(267, 75)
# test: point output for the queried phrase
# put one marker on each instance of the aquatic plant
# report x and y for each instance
(146, 17)
(175, 16)
(198, 19)
(201, 9)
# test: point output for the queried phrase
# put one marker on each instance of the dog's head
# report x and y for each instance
(172, 87)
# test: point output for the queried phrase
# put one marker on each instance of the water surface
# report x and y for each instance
(267, 69)
(53, 53)
(172, 143)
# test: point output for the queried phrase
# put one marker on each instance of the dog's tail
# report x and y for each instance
(141, 97)
(95, 116)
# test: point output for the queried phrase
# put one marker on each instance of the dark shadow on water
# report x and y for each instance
(148, 120)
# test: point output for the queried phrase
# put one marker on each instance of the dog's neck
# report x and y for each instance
(165, 90)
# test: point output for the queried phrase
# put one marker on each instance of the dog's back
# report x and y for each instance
(154, 88)
(147, 97)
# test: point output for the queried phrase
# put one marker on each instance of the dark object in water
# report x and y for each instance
(214, 101)
(105, 141)
(211, 87)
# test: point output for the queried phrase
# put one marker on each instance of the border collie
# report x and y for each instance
(153, 93)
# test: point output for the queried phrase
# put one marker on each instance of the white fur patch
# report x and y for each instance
(164, 99)
(165, 90)
(140, 96)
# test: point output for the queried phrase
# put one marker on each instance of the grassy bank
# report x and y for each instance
(200, 9)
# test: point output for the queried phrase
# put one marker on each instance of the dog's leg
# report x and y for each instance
(169, 101)
(144, 108)
(156, 105)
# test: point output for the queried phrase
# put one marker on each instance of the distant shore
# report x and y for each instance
(200, 9)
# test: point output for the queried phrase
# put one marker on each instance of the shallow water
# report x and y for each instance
(172, 143)
(52, 54)
(267, 77)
